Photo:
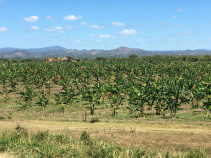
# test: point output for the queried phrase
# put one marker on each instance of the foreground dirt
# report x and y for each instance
(174, 137)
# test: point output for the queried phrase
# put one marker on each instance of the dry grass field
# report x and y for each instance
(153, 136)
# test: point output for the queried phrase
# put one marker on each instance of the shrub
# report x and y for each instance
(2, 117)
(139, 153)
(196, 154)
(42, 135)
(85, 138)
(133, 56)
(93, 120)
(19, 128)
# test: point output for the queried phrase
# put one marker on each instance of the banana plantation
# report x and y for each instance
(139, 86)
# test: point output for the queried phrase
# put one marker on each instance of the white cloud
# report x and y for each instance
(50, 18)
(78, 41)
(34, 28)
(96, 27)
(106, 36)
(68, 27)
(174, 17)
(97, 41)
(142, 32)
(72, 17)
(117, 24)
(83, 23)
(3, 29)
(31, 18)
(55, 28)
(128, 32)
(180, 9)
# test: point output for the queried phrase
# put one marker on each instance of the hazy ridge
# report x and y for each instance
(57, 51)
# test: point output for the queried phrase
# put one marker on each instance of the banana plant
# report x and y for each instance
(65, 83)
(69, 95)
(160, 100)
(138, 98)
(117, 95)
(43, 100)
(48, 85)
(94, 96)
(131, 108)
(13, 80)
(4, 75)
(114, 105)
(205, 89)
(28, 96)
(175, 95)
(59, 101)
(5, 94)
(152, 93)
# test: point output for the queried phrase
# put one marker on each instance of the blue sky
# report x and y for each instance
(106, 24)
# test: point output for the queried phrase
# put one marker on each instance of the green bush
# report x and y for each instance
(19, 128)
(2, 117)
(132, 56)
(41, 135)
(85, 138)
(93, 120)
(196, 154)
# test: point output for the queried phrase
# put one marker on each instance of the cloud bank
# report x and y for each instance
(31, 19)
(128, 32)
(3, 29)
(72, 17)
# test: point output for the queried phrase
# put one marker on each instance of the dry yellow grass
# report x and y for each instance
(3, 155)
(146, 135)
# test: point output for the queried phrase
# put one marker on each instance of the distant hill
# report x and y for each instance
(7, 49)
(45, 49)
(57, 51)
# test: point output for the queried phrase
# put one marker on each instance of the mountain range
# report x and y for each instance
(57, 51)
